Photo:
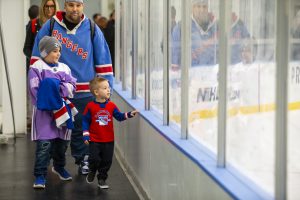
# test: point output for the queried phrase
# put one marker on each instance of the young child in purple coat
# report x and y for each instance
(50, 84)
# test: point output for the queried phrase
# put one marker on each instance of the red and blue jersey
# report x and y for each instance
(97, 121)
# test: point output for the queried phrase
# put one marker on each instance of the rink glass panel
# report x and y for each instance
(156, 56)
(175, 69)
(250, 134)
(251, 91)
(293, 175)
(203, 80)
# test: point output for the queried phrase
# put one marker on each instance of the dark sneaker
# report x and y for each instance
(40, 182)
(102, 184)
(62, 173)
(90, 177)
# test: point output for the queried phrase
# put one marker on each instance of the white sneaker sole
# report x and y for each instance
(84, 173)
(39, 186)
(61, 178)
(103, 186)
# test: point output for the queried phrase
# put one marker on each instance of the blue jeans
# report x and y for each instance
(47, 149)
(78, 148)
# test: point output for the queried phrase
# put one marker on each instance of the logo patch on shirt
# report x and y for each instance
(103, 118)
(70, 45)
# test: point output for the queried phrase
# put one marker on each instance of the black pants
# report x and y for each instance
(100, 158)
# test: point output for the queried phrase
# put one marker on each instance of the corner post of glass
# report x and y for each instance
(166, 62)
(147, 62)
(118, 41)
(125, 18)
(185, 65)
(134, 40)
(225, 9)
(282, 64)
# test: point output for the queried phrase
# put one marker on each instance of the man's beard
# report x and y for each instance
(203, 22)
(75, 18)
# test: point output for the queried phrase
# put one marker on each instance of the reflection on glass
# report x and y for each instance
(175, 72)
(128, 56)
(295, 36)
(293, 175)
(239, 31)
(141, 50)
(203, 87)
(203, 36)
(156, 55)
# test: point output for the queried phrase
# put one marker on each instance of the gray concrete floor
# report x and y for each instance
(16, 178)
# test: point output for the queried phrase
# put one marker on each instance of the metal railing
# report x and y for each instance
(7, 78)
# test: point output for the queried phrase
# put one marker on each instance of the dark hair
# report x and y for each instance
(33, 11)
(96, 15)
(111, 14)
(173, 11)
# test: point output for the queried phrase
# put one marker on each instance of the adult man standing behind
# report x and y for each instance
(203, 37)
(110, 36)
(87, 55)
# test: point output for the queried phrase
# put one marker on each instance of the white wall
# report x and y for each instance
(160, 169)
(13, 18)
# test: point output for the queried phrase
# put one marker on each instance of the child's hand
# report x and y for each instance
(86, 138)
(133, 113)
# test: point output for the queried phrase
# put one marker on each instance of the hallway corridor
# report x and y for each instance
(16, 178)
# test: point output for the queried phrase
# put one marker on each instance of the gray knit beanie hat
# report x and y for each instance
(79, 1)
(48, 44)
(200, 2)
